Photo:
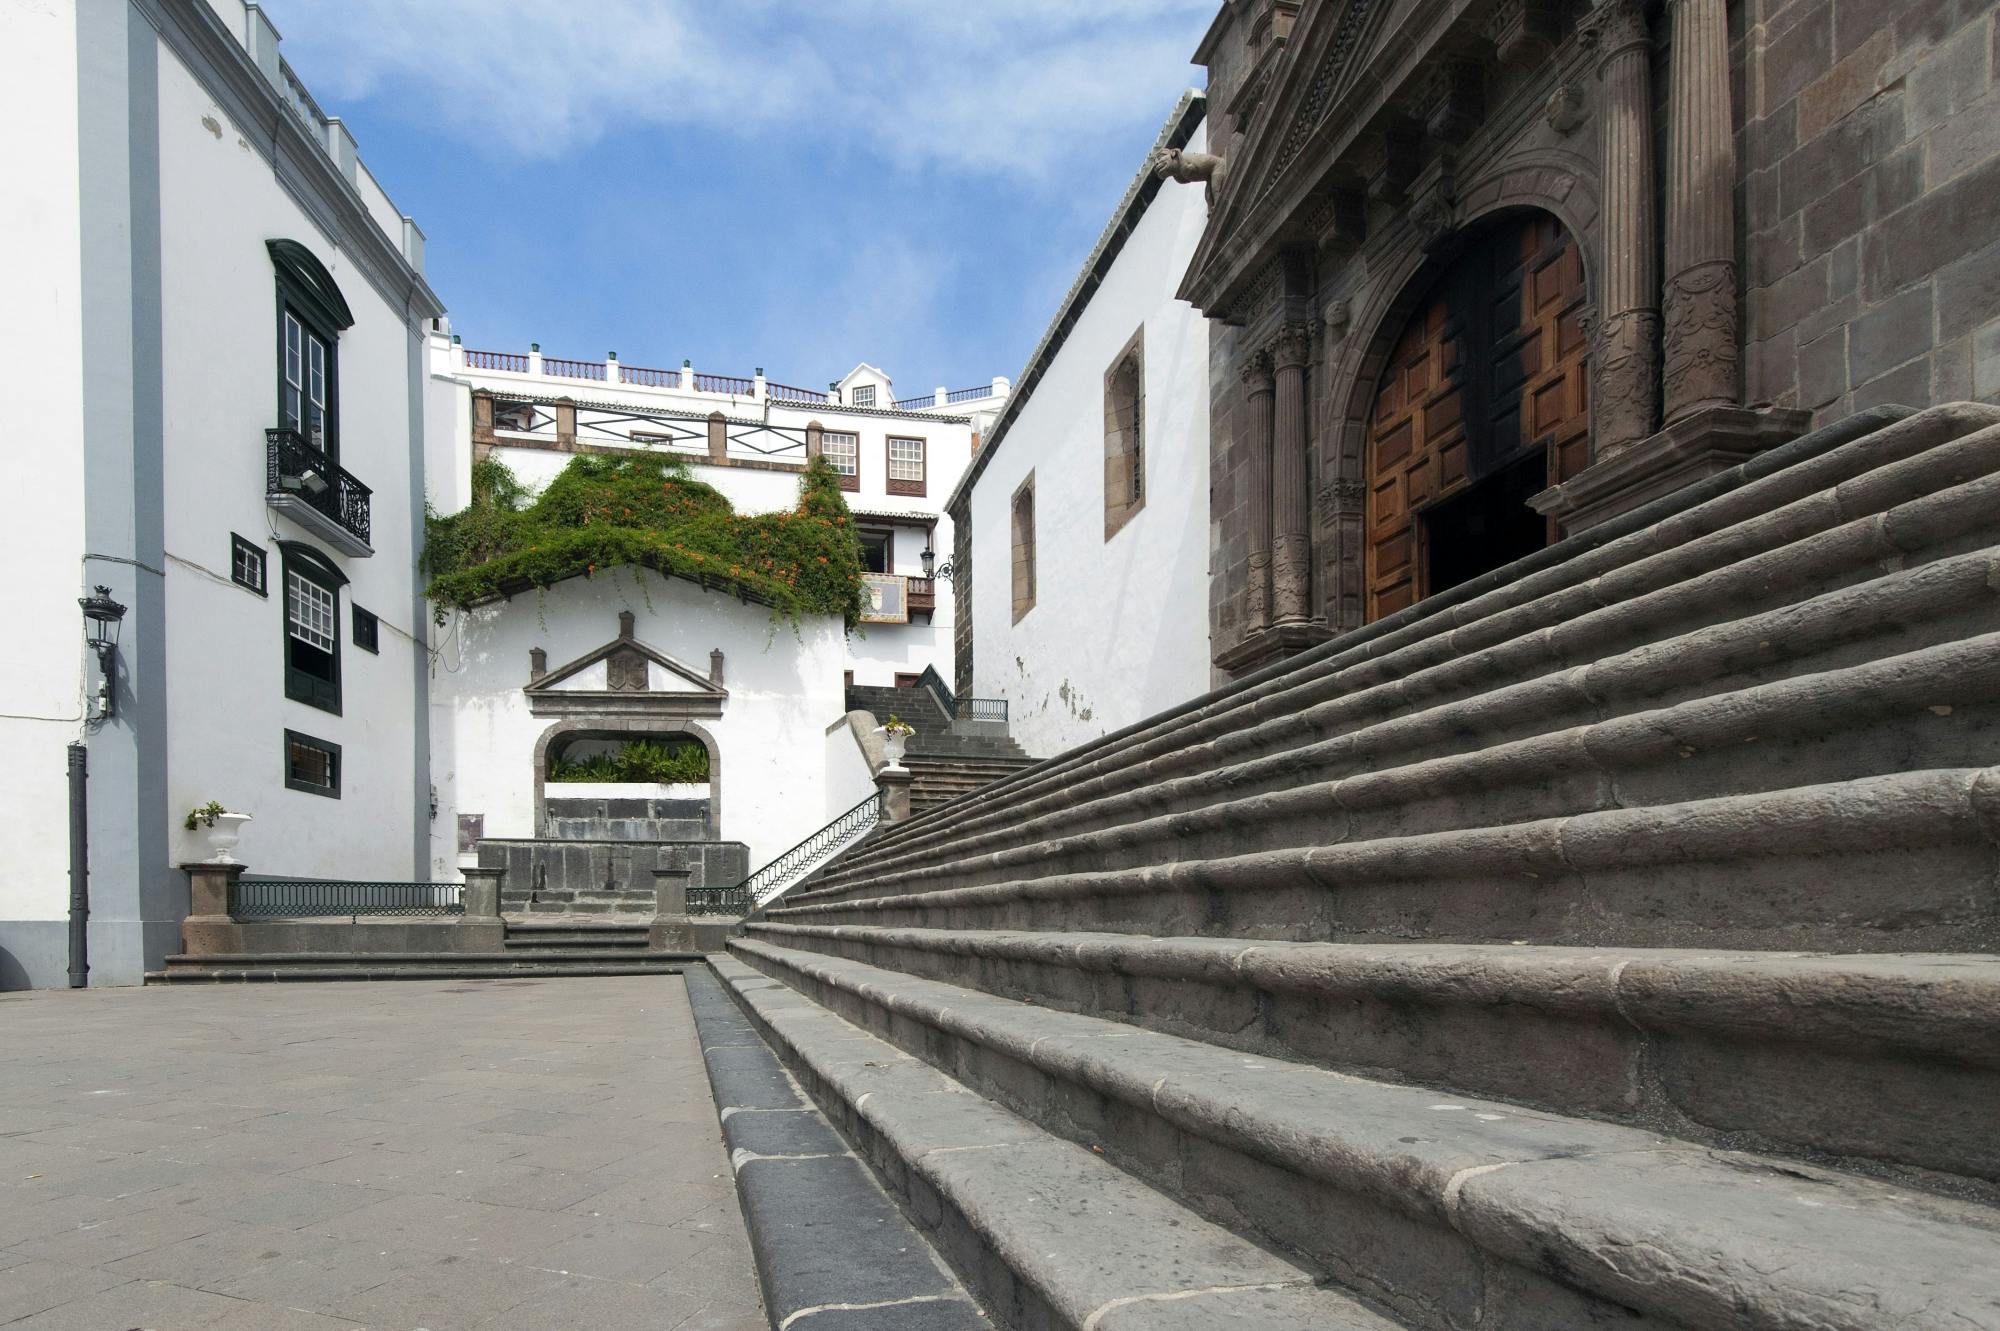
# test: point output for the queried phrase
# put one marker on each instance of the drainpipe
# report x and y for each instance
(79, 868)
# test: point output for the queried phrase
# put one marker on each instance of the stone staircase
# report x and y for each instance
(1605, 942)
(944, 766)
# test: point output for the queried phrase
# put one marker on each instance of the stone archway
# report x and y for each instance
(1365, 327)
(635, 727)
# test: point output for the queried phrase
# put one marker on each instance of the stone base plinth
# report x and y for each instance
(1275, 643)
(1703, 444)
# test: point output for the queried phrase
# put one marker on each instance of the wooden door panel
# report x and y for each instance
(1490, 365)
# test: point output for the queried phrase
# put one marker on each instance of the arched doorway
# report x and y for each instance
(1483, 403)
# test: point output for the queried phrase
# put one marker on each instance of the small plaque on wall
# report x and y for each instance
(471, 829)
(884, 599)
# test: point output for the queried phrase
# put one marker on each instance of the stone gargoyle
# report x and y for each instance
(1186, 167)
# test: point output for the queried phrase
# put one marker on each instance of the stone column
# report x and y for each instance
(1700, 358)
(672, 930)
(208, 928)
(718, 438)
(565, 423)
(895, 786)
(1625, 361)
(482, 894)
(1257, 385)
(1291, 495)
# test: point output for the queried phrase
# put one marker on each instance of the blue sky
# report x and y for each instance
(797, 184)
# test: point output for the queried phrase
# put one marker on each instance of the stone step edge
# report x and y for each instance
(1376, 647)
(306, 975)
(1922, 810)
(404, 958)
(1602, 1033)
(1825, 623)
(1671, 1229)
(976, 1179)
(1372, 787)
(792, 1173)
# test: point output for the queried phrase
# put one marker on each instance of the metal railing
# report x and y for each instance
(302, 898)
(724, 383)
(792, 393)
(572, 369)
(296, 468)
(969, 394)
(961, 709)
(784, 873)
(916, 403)
(645, 378)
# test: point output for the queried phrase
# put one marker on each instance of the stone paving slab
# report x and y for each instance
(455, 1156)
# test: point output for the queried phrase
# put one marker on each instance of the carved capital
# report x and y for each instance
(1341, 499)
(1255, 372)
(1614, 27)
(1291, 346)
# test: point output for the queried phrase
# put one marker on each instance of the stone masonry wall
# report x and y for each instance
(1870, 149)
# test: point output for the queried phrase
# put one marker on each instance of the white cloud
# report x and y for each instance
(1007, 87)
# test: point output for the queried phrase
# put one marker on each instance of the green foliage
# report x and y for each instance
(638, 760)
(646, 512)
(206, 813)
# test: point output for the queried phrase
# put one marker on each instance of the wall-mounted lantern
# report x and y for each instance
(101, 617)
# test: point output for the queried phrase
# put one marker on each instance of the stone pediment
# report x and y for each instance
(626, 677)
(1345, 64)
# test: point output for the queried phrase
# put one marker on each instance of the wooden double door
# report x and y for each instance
(1484, 402)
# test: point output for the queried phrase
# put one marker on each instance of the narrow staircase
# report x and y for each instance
(945, 766)
(1606, 942)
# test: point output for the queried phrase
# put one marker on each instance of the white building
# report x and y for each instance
(748, 437)
(1083, 524)
(218, 317)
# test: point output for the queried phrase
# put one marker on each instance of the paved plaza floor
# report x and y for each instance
(536, 1154)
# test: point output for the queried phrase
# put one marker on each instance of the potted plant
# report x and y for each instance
(222, 829)
(896, 733)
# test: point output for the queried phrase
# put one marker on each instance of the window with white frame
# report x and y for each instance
(843, 453)
(246, 564)
(304, 389)
(906, 466)
(864, 395)
(312, 632)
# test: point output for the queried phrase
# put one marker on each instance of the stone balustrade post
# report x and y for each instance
(482, 416)
(894, 783)
(1625, 356)
(815, 439)
(566, 422)
(672, 929)
(718, 437)
(208, 929)
(482, 894)
(1291, 490)
(1258, 389)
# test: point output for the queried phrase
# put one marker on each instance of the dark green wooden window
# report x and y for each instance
(312, 765)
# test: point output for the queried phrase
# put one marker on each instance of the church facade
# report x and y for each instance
(1481, 275)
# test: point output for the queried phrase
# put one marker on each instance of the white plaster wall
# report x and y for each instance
(784, 690)
(225, 645)
(41, 542)
(1119, 629)
(848, 780)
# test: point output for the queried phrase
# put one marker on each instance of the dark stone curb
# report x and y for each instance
(833, 1251)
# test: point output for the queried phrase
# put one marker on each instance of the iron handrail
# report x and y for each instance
(966, 709)
(785, 872)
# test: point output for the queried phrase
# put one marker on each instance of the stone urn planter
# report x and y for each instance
(895, 736)
(222, 834)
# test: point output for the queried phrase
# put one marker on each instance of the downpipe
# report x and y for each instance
(79, 867)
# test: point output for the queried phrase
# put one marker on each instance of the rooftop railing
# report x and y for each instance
(611, 371)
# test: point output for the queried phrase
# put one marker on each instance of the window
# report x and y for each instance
(1125, 435)
(312, 765)
(843, 452)
(246, 564)
(906, 466)
(864, 395)
(875, 551)
(312, 628)
(366, 631)
(311, 315)
(1024, 548)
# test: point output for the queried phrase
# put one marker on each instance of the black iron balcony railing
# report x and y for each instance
(781, 875)
(300, 898)
(297, 470)
(961, 709)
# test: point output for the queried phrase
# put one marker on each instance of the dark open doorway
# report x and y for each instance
(1487, 526)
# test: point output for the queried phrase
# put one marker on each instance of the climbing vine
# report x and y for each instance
(603, 512)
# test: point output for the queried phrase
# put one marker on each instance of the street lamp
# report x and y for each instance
(101, 617)
(929, 556)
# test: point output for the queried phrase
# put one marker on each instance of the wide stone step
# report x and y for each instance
(1810, 729)
(303, 967)
(1449, 1211)
(1897, 863)
(1921, 486)
(1049, 1234)
(1757, 1050)
(1910, 612)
